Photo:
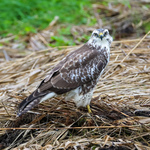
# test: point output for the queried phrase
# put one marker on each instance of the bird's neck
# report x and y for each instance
(98, 44)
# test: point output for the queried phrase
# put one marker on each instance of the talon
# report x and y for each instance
(88, 108)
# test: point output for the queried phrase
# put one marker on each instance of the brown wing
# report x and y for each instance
(78, 68)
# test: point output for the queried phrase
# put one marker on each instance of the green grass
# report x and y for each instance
(20, 17)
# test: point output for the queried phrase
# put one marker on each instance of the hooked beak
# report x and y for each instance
(101, 35)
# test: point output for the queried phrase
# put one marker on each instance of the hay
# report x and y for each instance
(122, 93)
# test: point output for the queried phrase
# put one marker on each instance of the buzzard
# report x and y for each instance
(76, 75)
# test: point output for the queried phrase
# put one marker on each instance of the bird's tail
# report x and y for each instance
(33, 100)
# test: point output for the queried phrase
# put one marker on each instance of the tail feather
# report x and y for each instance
(28, 106)
(33, 100)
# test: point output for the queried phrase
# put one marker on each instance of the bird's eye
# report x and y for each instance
(105, 33)
(95, 34)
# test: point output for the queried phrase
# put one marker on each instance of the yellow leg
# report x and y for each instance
(88, 108)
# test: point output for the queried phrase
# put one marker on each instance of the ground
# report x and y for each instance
(116, 119)
(120, 117)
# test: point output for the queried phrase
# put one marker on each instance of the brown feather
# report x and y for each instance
(81, 68)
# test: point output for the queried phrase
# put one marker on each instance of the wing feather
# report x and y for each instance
(76, 69)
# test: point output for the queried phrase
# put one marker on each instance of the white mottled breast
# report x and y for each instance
(79, 98)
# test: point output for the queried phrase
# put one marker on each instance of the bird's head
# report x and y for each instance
(100, 37)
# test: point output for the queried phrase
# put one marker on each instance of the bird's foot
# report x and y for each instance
(89, 109)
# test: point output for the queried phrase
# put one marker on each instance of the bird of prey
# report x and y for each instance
(76, 75)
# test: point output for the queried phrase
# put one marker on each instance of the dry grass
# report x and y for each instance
(122, 93)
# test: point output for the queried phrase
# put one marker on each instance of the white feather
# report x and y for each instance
(80, 99)
(50, 95)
